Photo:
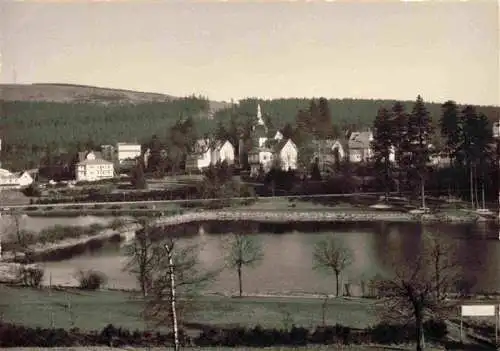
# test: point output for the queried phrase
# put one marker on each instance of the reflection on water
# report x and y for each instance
(287, 264)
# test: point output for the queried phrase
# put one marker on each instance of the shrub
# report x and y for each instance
(30, 276)
(90, 280)
(435, 329)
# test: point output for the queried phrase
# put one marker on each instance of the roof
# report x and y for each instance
(82, 156)
(218, 144)
(97, 161)
(360, 140)
(5, 173)
(281, 144)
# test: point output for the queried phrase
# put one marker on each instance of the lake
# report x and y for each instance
(287, 264)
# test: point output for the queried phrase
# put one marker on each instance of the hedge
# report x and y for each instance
(19, 336)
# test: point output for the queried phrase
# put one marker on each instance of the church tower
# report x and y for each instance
(260, 130)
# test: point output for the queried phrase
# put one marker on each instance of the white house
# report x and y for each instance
(92, 168)
(127, 151)
(207, 152)
(260, 157)
(222, 151)
(287, 153)
(200, 157)
(284, 153)
(9, 180)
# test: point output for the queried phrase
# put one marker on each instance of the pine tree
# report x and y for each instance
(382, 146)
(476, 136)
(419, 135)
(326, 127)
(315, 119)
(400, 139)
(450, 126)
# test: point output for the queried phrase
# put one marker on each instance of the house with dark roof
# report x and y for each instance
(360, 149)
(278, 153)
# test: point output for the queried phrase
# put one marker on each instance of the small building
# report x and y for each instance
(92, 168)
(200, 157)
(282, 152)
(127, 153)
(18, 180)
(208, 152)
(286, 153)
(360, 149)
(260, 158)
(222, 151)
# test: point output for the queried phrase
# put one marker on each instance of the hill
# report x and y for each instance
(74, 93)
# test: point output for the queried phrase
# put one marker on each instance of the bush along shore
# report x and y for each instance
(12, 335)
(61, 242)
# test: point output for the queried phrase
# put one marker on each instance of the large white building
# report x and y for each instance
(92, 169)
(127, 152)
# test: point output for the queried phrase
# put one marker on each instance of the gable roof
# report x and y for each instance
(218, 144)
(281, 144)
(82, 156)
(360, 140)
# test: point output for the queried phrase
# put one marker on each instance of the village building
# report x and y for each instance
(92, 167)
(14, 180)
(268, 152)
(209, 152)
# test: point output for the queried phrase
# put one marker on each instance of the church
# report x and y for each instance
(268, 151)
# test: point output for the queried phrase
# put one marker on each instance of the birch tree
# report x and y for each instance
(176, 282)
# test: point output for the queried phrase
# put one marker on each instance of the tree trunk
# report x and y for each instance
(422, 191)
(240, 282)
(173, 310)
(337, 277)
(476, 195)
(471, 185)
(419, 328)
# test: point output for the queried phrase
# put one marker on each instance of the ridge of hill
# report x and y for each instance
(76, 93)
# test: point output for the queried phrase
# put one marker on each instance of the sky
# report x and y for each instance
(224, 51)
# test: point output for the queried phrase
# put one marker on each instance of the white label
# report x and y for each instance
(478, 310)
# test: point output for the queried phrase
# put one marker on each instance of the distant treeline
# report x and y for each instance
(43, 123)
(30, 127)
(346, 113)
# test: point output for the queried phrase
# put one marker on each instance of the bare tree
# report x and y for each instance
(418, 290)
(331, 255)
(17, 237)
(176, 282)
(244, 250)
(142, 256)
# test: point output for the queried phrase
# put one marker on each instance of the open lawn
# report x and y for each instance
(94, 310)
(282, 204)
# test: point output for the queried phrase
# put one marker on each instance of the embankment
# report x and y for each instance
(309, 216)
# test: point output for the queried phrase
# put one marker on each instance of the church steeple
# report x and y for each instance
(260, 121)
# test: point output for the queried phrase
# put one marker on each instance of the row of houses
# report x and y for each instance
(268, 148)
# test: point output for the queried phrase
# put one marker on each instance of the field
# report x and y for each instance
(94, 310)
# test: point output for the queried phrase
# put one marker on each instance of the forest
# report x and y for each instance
(30, 127)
